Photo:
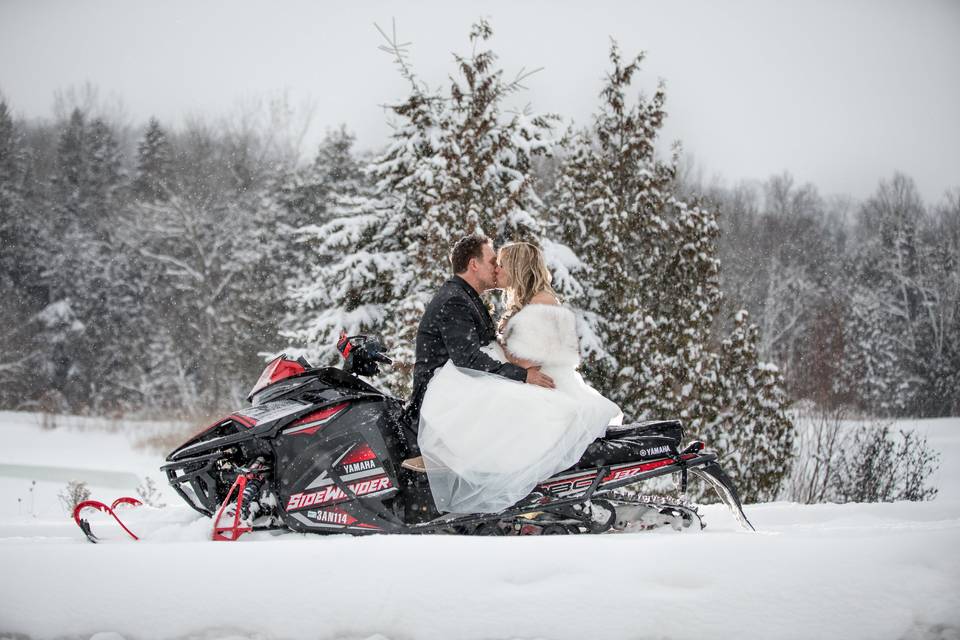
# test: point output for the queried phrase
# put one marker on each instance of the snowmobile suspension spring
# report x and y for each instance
(250, 493)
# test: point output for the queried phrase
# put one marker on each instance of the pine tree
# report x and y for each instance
(456, 163)
(305, 198)
(568, 226)
(105, 174)
(153, 178)
(747, 419)
(488, 157)
(599, 198)
(359, 268)
(12, 171)
(21, 292)
(304, 195)
(369, 250)
(651, 284)
(69, 244)
(873, 366)
(94, 293)
(111, 287)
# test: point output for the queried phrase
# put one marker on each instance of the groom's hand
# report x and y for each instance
(535, 376)
(520, 362)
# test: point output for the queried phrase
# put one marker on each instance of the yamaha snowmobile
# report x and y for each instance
(322, 451)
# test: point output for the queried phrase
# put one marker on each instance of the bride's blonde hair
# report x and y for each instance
(528, 273)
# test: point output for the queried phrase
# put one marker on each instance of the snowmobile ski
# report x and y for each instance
(110, 510)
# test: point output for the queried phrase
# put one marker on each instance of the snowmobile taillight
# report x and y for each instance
(279, 368)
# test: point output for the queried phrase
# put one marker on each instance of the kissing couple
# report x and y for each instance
(497, 409)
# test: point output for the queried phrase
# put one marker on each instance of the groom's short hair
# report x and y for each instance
(467, 247)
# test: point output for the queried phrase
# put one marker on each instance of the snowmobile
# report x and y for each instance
(320, 450)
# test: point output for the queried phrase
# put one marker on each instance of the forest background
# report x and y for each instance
(150, 269)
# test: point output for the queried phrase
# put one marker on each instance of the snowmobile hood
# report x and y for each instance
(276, 405)
(262, 421)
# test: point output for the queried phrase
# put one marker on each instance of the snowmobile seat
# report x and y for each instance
(631, 442)
(669, 428)
(606, 449)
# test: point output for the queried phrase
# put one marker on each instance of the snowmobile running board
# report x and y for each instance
(702, 465)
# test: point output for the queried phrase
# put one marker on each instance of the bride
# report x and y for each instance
(487, 440)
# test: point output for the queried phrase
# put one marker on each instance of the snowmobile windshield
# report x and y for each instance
(278, 369)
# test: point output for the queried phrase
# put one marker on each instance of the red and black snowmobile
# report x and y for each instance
(321, 451)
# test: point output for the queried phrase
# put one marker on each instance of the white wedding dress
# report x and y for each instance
(487, 440)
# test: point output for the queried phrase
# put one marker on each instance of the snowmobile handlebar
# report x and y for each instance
(362, 354)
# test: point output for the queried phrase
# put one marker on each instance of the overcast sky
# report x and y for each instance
(841, 94)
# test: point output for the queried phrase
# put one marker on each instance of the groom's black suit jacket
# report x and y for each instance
(454, 326)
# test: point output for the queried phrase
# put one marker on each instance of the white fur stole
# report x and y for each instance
(544, 333)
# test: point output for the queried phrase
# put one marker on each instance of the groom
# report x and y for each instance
(456, 324)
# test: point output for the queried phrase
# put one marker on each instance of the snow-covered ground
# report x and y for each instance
(822, 571)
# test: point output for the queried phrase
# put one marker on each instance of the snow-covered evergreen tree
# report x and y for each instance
(21, 292)
(12, 173)
(81, 317)
(358, 271)
(373, 247)
(105, 172)
(874, 371)
(488, 154)
(95, 284)
(651, 283)
(596, 210)
(154, 176)
(156, 377)
(746, 420)
(306, 197)
(456, 163)
(305, 194)
(568, 226)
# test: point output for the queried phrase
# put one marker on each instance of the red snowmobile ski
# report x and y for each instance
(111, 510)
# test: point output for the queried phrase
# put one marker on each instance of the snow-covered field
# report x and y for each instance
(823, 571)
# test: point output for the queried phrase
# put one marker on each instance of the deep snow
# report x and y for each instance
(822, 571)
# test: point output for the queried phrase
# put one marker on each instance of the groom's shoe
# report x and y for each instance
(415, 464)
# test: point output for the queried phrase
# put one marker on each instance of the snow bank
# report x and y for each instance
(821, 571)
